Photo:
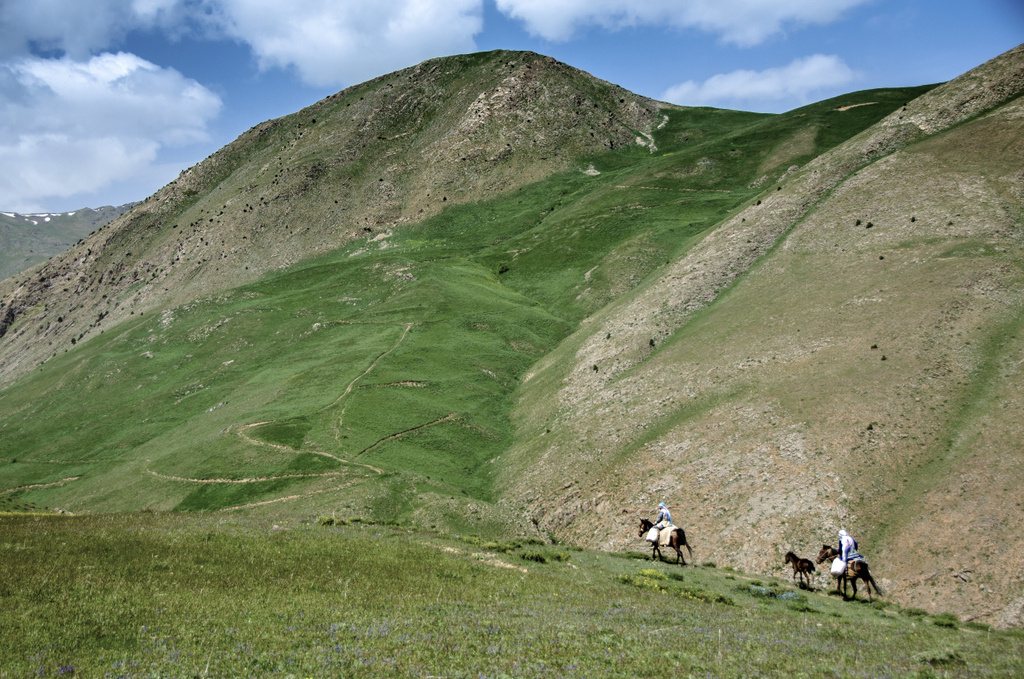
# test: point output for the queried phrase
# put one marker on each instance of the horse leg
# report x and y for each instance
(869, 582)
(679, 549)
(681, 534)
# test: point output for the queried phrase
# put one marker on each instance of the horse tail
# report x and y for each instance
(869, 579)
(683, 542)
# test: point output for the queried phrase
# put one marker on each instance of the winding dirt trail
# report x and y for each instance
(254, 479)
(288, 498)
(446, 418)
(243, 430)
(348, 389)
(33, 486)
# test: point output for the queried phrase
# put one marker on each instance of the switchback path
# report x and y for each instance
(243, 430)
(40, 485)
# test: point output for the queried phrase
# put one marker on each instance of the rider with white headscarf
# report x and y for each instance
(664, 519)
(848, 547)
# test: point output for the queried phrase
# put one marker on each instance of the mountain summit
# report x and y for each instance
(372, 157)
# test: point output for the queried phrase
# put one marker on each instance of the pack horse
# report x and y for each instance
(855, 570)
(676, 540)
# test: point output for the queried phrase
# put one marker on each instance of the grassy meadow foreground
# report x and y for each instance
(196, 595)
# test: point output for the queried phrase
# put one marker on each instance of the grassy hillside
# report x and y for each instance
(175, 595)
(378, 378)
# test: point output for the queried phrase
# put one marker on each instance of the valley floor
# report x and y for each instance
(196, 595)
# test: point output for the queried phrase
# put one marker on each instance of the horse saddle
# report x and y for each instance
(666, 535)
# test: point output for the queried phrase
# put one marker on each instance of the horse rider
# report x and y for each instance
(664, 519)
(848, 547)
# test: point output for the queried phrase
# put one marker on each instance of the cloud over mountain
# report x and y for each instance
(338, 43)
(741, 22)
(328, 43)
(802, 78)
(74, 126)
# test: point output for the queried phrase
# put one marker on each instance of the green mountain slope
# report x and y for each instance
(493, 293)
(376, 156)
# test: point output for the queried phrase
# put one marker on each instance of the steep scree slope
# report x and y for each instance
(845, 351)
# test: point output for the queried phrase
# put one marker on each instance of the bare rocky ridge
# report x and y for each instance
(848, 350)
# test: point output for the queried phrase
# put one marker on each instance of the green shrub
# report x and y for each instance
(641, 582)
(914, 612)
(757, 590)
(501, 547)
(701, 594)
(639, 556)
(946, 656)
(538, 557)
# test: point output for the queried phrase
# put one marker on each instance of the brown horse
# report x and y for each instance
(803, 567)
(855, 570)
(676, 542)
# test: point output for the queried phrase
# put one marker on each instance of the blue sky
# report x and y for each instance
(103, 102)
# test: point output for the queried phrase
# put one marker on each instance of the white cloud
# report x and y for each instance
(796, 82)
(327, 42)
(70, 126)
(741, 22)
(336, 42)
(73, 122)
(75, 27)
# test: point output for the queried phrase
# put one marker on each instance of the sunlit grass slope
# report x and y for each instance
(378, 379)
(185, 595)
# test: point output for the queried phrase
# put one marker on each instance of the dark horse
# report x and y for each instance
(676, 542)
(856, 570)
(803, 567)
